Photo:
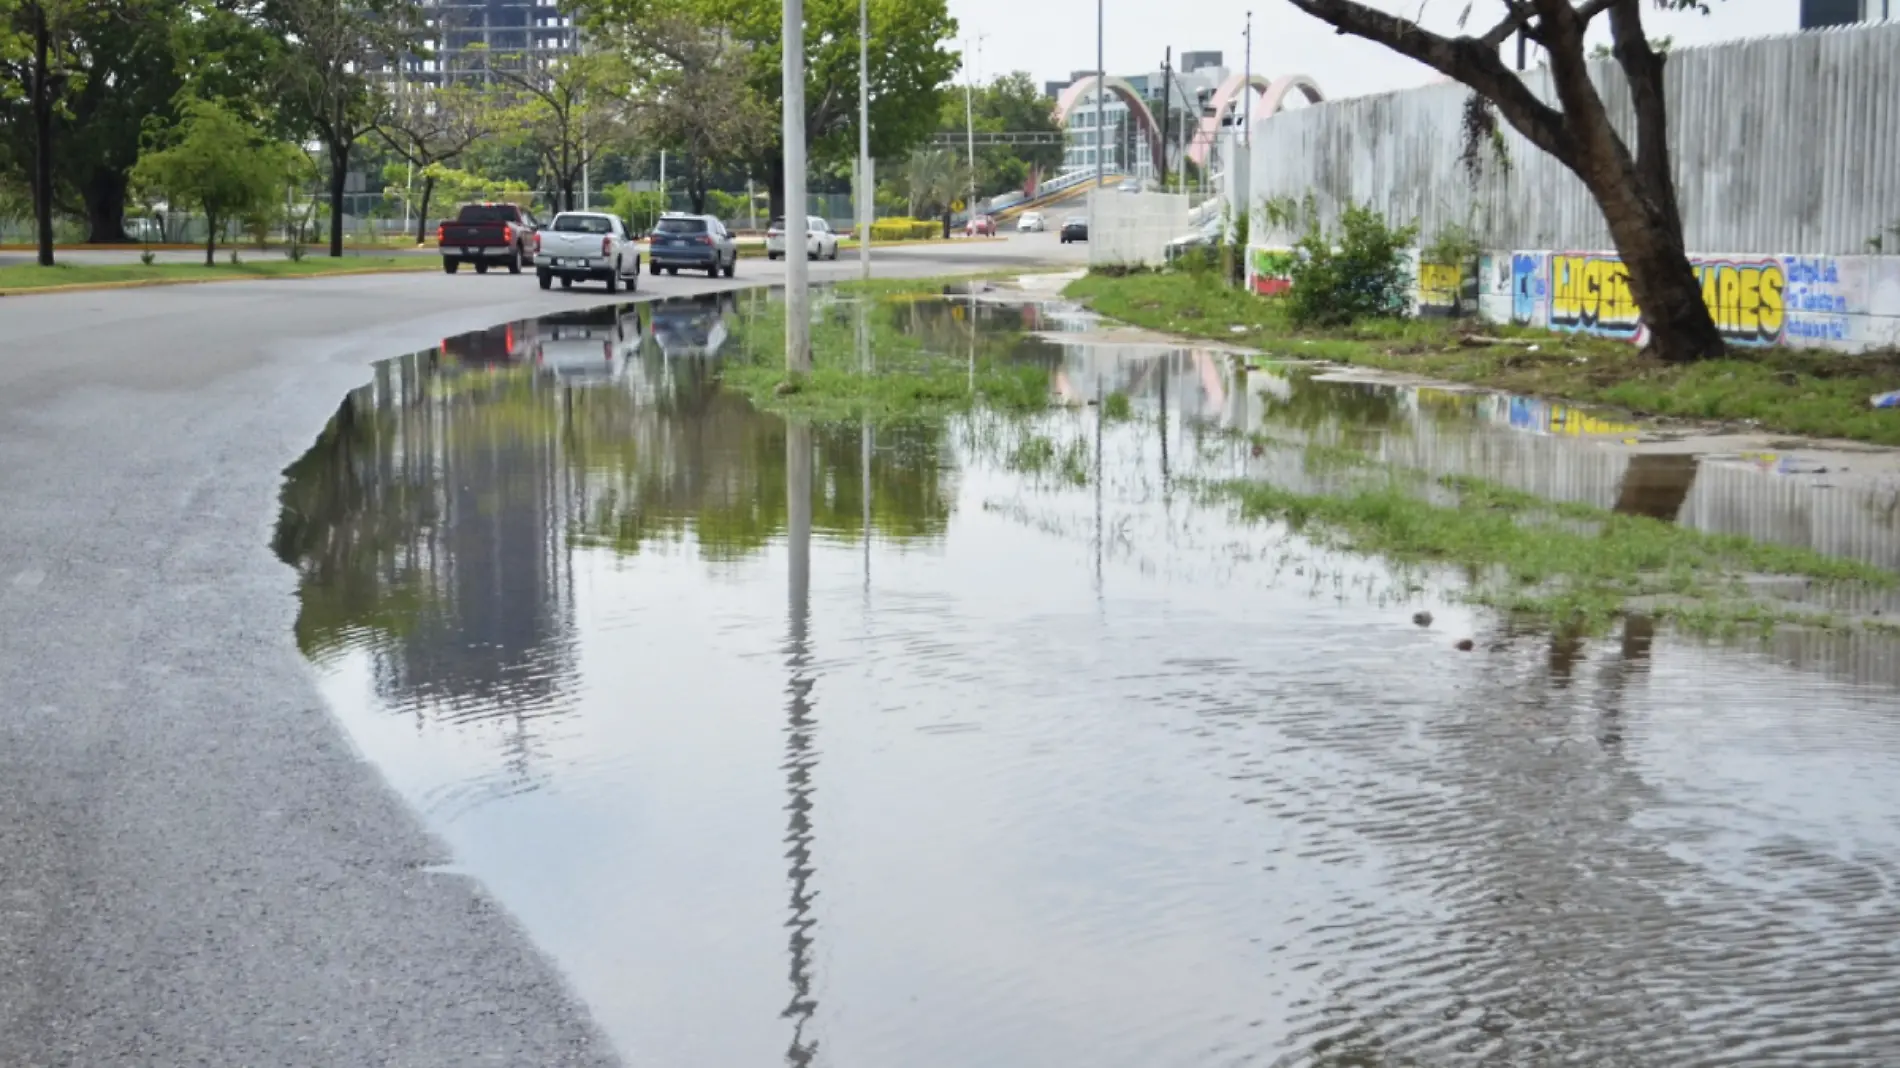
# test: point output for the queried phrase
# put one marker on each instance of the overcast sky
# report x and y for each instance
(1050, 38)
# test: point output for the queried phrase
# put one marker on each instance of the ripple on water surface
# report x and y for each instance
(975, 761)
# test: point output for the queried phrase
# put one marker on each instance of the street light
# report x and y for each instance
(969, 119)
(1101, 92)
(867, 191)
(797, 288)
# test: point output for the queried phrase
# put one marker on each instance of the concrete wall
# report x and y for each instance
(1133, 229)
(1786, 146)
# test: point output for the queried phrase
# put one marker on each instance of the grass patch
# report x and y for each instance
(912, 373)
(1039, 455)
(1796, 391)
(33, 276)
(1567, 561)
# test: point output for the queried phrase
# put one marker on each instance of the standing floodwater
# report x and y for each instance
(994, 740)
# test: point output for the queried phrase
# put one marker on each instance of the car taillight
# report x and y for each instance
(441, 233)
(705, 239)
(507, 234)
(606, 246)
(537, 242)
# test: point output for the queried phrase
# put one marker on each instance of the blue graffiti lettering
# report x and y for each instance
(1817, 329)
(1810, 270)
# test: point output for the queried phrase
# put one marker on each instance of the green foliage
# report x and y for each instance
(1352, 272)
(455, 187)
(935, 179)
(1012, 103)
(911, 63)
(1453, 245)
(639, 210)
(215, 161)
(569, 113)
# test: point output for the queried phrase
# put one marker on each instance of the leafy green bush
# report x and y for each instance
(1355, 272)
(901, 229)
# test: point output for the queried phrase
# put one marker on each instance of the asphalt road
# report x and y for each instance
(195, 867)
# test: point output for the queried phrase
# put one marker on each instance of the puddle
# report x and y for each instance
(934, 744)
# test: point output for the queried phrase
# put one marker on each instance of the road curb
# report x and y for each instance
(146, 283)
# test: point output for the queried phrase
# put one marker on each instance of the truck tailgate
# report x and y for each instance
(471, 235)
(570, 245)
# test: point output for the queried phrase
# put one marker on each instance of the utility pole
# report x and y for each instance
(867, 192)
(1246, 98)
(797, 273)
(1101, 91)
(1167, 109)
(969, 121)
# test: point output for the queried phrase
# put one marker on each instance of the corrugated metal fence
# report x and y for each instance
(1781, 145)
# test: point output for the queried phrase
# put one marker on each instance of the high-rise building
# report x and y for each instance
(467, 37)
(1817, 14)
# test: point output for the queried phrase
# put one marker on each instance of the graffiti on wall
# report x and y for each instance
(1529, 288)
(1815, 298)
(1590, 293)
(1272, 272)
(1446, 289)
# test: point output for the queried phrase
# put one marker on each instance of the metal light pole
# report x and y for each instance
(797, 288)
(1246, 99)
(1101, 93)
(867, 192)
(969, 122)
(1167, 110)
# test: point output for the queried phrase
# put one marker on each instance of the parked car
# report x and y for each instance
(1075, 228)
(581, 246)
(487, 235)
(982, 225)
(1031, 222)
(695, 242)
(1207, 237)
(821, 242)
(1129, 185)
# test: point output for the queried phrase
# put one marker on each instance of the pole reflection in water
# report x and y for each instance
(801, 755)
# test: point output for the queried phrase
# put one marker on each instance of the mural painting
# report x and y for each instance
(1272, 272)
(1529, 288)
(1447, 290)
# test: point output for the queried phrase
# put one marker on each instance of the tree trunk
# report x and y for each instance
(775, 186)
(42, 91)
(211, 239)
(946, 223)
(105, 206)
(422, 211)
(339, 177)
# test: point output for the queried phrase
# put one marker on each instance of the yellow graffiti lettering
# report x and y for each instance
(1439, 283)
(1748, 306)
(1574, 423)
(1770, 314)
(1566, 305)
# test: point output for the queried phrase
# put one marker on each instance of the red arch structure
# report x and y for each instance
(1072, 96)
(1227, 99)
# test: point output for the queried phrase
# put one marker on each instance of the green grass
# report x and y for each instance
(911, 376)
(1797, 391)
(266, 265)
(1569, 561)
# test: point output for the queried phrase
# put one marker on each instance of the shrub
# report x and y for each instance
(902, 229)
(1354, 273)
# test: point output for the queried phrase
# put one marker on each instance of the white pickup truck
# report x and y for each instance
(580, 246)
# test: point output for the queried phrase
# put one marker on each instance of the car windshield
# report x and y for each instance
(481, 213)
(681, 226)
(583, 224)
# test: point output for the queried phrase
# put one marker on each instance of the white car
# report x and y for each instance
(592, 346)
(584, 245)
(821, 242)
(1031, 222)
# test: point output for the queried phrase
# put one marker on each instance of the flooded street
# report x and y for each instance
(996, 740)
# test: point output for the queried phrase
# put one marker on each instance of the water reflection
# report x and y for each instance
(1108, 777)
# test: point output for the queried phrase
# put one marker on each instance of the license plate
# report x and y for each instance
(567, 263)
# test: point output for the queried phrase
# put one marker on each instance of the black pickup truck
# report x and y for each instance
(487, 235)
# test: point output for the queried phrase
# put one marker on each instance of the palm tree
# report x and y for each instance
(936, 178)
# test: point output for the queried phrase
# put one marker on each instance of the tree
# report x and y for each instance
(217, 162)
(936, 178)
(1635, 190)
(692, 99)
(42, 56)
(332, 49)
(431, 128)
(910, 68)
(570, 111)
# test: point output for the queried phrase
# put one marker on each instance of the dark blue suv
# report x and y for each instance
(695, 242)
